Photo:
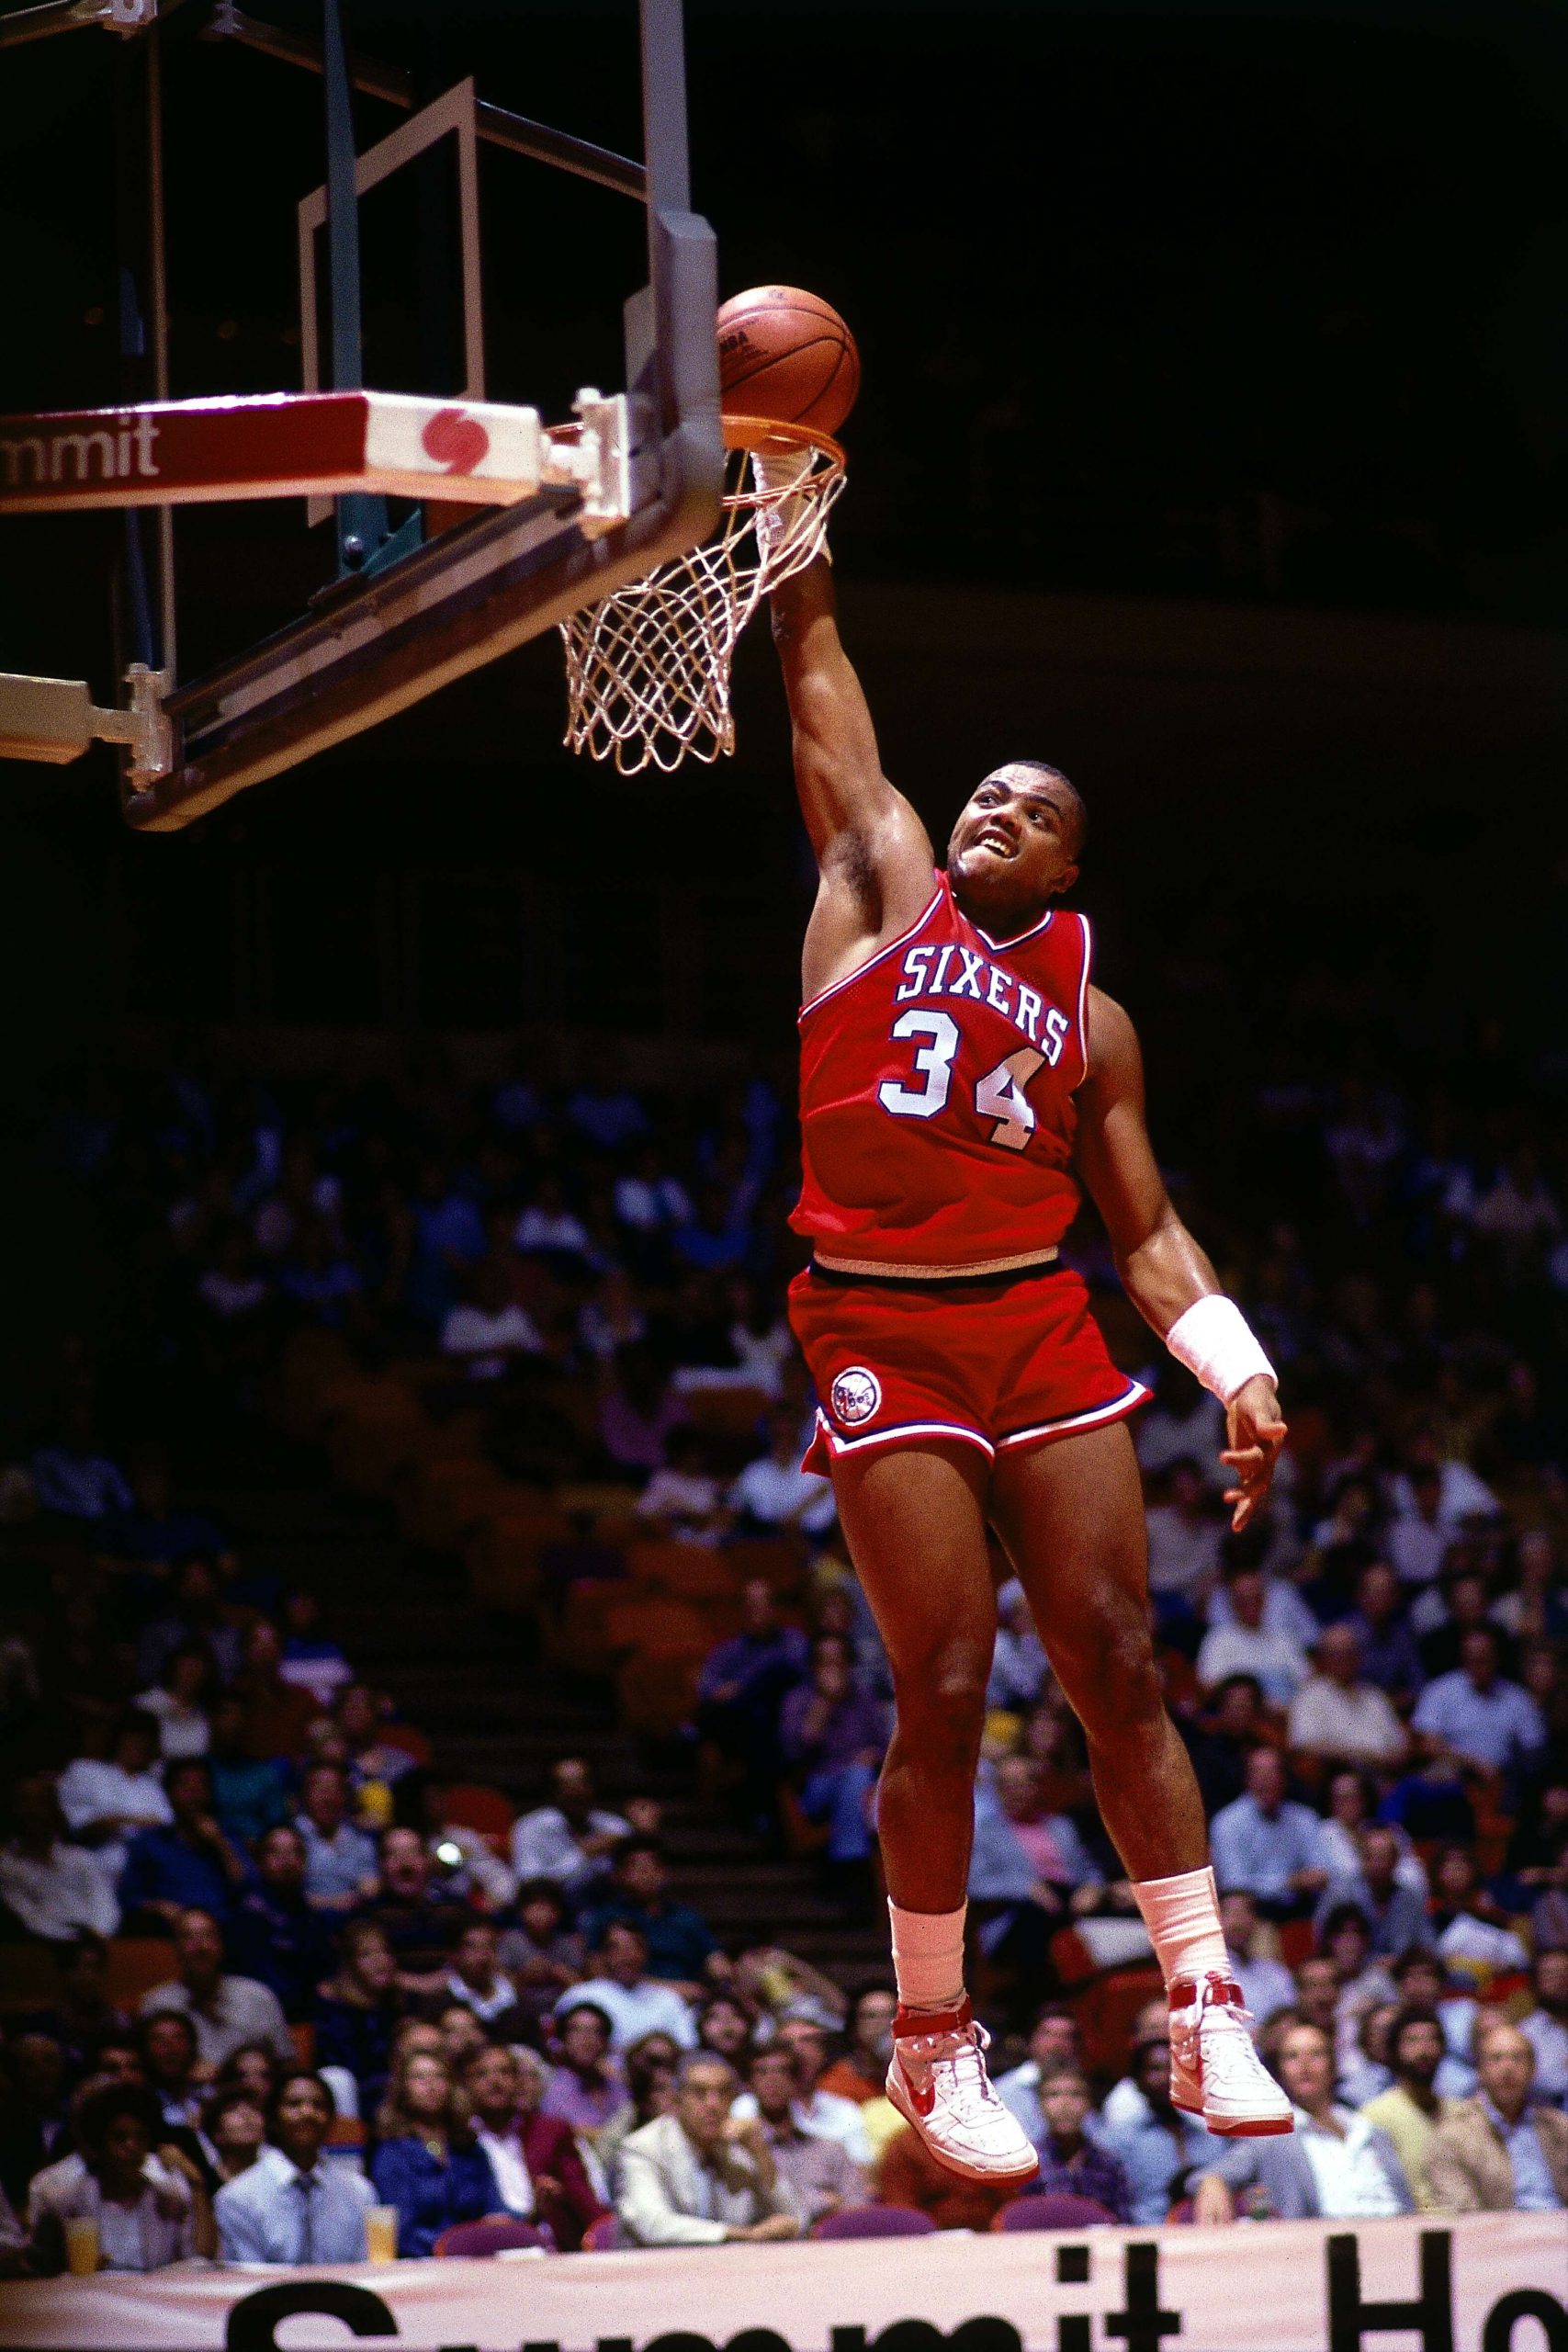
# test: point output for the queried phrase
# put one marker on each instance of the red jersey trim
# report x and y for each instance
(1004, 946)
(871, 961)
(1083, 997)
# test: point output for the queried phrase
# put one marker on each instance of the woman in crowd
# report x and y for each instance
(726, 2027)
(255, 2068)
(234, 2123)
(360, 2010)
(150, 2210)
(586, 2089)
(181, 1701)
(427, 2162)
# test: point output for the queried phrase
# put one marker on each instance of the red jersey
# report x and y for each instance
(936, 1098)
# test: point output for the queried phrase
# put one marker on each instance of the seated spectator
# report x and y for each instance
(311, 1660)
(233, 2123)
(190, 1865)
(1496, 2152)
(375, 1764)
(1412, 2108)
(1153, 2141)
(291, 2207)
(1071, 2165)
(224, 2010)
(488, 1330)
(1394, 1909)
(1055, 2041)
(1246, 1646)
(427, 2162)
(275, 1935)
(149, 2208)
(278, 1714)
(773, 1494)
(157, 1533)
(1019, 1663)
(471, 1872)
(1546, 2026)
(860, 2074)
(1333, 2166)
(817, 2172)
(340, 1858)
(196, 1613)
(697, 2176)
(1536, 1609)
(477, 1982)
(169, 2063)
(416, 1914)
(586, 2089)
(650, 2066)
(74, 1481)
(83, 2017)
(570, 1840)
(1185, 1536)
(541, 1953)
(727, 2027)
(107, 1802)
(1477, 1716)
(534, 2158)
(907, 2174)
(680, 1944)
(1367, 2074)
(741, 1688)
(1364, 1982)
(1028, 1868)
(1266, 1845)
(1338, 1715)
(1420, 1978)
(256, 2067)
(1388, 1651)
(179, 1701)
(816, 2110)
(1266, 1983)
(1472, 1937)
(359, 2009)
(629, 1996)
(682, 1500)
(249, 1793)
(1462, 1605)
(49, 1889)
(833, 1735)
(1223, 1736)
(638, 1411)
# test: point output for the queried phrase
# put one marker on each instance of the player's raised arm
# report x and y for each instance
(1165, 1274)
(873, 853)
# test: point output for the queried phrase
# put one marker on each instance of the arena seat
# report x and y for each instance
(726, 1411)
(1054, 2212)
(502, 1548)
(475, 1804)
(645, 1621)
(780, 1560)
(875, 2221)
(136, 1964)
(697, 1572)
(656, 1690)
(482, 2241)
(439, 1498)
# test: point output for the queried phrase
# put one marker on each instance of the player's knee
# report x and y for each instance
(943, 1709)
(1120, 1684)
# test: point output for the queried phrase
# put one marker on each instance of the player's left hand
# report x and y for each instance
(1256, 1433)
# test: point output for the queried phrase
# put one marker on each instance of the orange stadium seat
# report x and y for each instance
(726, 1412)
(639, 1619)
(656, 1690)
(475, 1804)
(780, 1559)
(503, 1544)
(136, 1964)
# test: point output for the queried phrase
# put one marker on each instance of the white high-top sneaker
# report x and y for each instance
(1215, 2071)
(939, 2084)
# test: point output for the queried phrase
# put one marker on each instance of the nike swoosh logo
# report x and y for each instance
(922, 2095)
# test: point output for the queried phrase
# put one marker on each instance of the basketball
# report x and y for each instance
(786, 355)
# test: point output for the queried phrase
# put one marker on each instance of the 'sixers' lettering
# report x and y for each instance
(927, 972)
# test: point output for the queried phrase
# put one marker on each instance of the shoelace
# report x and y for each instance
(1228, 2050)
(962, 2053)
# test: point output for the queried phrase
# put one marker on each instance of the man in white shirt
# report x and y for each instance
(1266, 1985)
(224, 2010)
(489, 1330)
(1243, 1646)
(571, 1841)
(1185, 1536)
(632, 2001)
(289, 2207)
(1333, 2166)
(776, 1492)
(821, 2115)
(106, 1801)
(54, 1890)
(1335, 1714)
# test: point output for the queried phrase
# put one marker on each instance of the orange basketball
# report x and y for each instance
(788, 356)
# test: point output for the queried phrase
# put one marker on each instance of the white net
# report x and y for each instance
(648, 669)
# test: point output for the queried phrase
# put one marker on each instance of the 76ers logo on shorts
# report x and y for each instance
(855, 1396)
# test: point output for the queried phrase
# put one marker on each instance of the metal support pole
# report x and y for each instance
(361, 519)
(158, 304)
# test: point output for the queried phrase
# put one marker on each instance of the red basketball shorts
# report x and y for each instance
(1004, 1362)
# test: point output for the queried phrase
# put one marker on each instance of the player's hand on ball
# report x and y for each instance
(1256, 1433)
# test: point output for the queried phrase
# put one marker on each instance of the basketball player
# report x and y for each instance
(960, 1075)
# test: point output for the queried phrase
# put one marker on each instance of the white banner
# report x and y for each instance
(1477, 2283)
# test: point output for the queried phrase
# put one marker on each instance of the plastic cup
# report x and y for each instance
(381, 2234)
(81, 2245)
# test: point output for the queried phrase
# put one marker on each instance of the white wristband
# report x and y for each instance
(1215, 1343)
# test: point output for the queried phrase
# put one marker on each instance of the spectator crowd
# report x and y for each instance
(271, 1985)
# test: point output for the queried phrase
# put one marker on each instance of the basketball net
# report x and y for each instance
(648, 669)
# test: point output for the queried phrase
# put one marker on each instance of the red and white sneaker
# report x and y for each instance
(1215, 2071)
(939, 2084)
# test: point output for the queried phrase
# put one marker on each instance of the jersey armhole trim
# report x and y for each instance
(876, 957)
(1083, 997)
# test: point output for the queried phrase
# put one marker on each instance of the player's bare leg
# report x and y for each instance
(1071, 1517)
(916, 1526)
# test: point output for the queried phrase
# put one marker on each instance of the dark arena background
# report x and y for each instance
(396, 1402)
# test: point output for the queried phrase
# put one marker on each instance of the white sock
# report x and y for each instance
(1182, 1915)
(928, 1956)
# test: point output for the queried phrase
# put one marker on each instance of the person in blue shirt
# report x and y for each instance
(275, 1935)
(680, 1942)
(1267, 1846)
(428, 2163)
(290, 2206)
(191, 1865)
(1156, 2145)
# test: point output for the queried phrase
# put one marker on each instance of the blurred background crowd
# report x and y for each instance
(441, 1722)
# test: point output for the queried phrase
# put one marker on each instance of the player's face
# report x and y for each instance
(1012, 848)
